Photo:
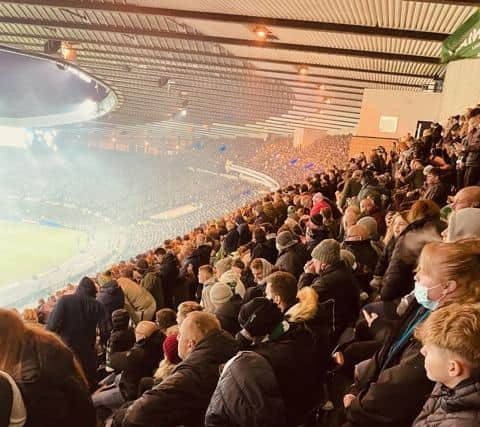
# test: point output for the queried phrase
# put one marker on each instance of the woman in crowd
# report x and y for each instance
(53, 386)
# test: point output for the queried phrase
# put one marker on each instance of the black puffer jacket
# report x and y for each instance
(52, 390)
(247, 395)
(264, 250)
(137, 363)
(292, 259)
(183, 397)
(169, 272)
(398, 280)
(112, 298)
(459, 407)
(384, 259)
(338, 297)
(292, 357)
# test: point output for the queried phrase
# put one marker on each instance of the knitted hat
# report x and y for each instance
(464, 224)
(327, 252)
(120, 319)
(259, 317)
(220, 293)
(284, 240)
(170, 349)
(291, 210)
(146, 328)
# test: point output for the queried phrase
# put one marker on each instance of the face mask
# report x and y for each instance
(421, 295)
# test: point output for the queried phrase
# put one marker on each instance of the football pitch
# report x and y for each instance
(28, 249)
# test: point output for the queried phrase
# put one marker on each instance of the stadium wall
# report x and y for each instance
(365, 144)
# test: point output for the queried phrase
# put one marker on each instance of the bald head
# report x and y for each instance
(194, 329)
(468, 197)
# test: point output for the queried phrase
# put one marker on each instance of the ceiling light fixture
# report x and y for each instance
(261, 33)
(303, 69)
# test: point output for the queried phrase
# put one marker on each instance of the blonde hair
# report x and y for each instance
(307, 306)
(389, 233)
(456, 328)
(455, 261)
(29, 315)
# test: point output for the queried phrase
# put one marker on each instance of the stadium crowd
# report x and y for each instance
(349, 299)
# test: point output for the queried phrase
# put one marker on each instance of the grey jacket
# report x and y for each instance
(459, 407)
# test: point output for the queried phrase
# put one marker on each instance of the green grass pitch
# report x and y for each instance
(28, 249)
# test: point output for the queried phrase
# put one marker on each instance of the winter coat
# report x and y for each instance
(351, 189)
(137, 363)
(398, 280)
(264, 250)
(392, 392)
(244, 234)
(138, 301)
(183, 397)
(384, 259)
(75, 318)
(338, 297)
(52, 390)
(206, 302)
(437, 192)
(247, 395)
(227, 314)
(169, 272)
(12, 408)
(201, 256)
(152, 282)
(230, 242)
(120, 340)
(111, 296)
(292, 259)
(293, 360)
(459, 407)
(473, 149)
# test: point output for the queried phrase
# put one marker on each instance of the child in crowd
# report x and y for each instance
(451, 346)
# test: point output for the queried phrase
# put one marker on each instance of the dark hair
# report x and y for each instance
(259, 235)
(474, 113)
(160, 251)
(166, 317)
(239, 264)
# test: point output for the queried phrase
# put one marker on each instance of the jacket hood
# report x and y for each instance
(111, 288)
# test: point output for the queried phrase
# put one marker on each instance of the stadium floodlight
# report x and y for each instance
(14, 137)
(183, 112)
(88, 107)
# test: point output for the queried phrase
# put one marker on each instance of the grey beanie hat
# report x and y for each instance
(284, 240)
(464, 224)
(370, 224)
(220, 293)
(327, 251)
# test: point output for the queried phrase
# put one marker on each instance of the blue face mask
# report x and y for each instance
(421, 295)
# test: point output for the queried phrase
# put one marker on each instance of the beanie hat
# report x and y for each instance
(120, 319)
(327, 252)
(284, 240)
(291, 209)
(220, 293)
(370, 224)
(170, 349)
(463, 224)
(259, 317)
(146, 328)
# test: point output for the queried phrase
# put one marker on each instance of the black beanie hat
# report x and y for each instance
(259, 316)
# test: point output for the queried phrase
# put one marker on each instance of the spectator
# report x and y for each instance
(338, 293)
(227, 306)
(183, 397)
(472, 172)
(260, 268)
(206, 278)
(122, 337)
(75, 319)
(225, 274)
(111, 296)
(138, 301)
(185, 308)
(46, 372)
(261, 248)
(467, 197)
(282, 290)
(230, 242)
(166, 318)
(452, 360)
(291, 254)
(12, 407)
(29, 316)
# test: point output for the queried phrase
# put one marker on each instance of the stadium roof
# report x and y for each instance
(160, 56)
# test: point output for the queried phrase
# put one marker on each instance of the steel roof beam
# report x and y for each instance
(297, 24)
(220, 40)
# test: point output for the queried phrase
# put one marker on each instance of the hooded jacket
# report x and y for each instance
(138, 301)
(247, 395)
(111, 296)
(230, 279)
(183, 397)
(292, 259)
(459, 407)
(75, 318)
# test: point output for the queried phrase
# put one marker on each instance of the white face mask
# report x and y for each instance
(421, 295)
